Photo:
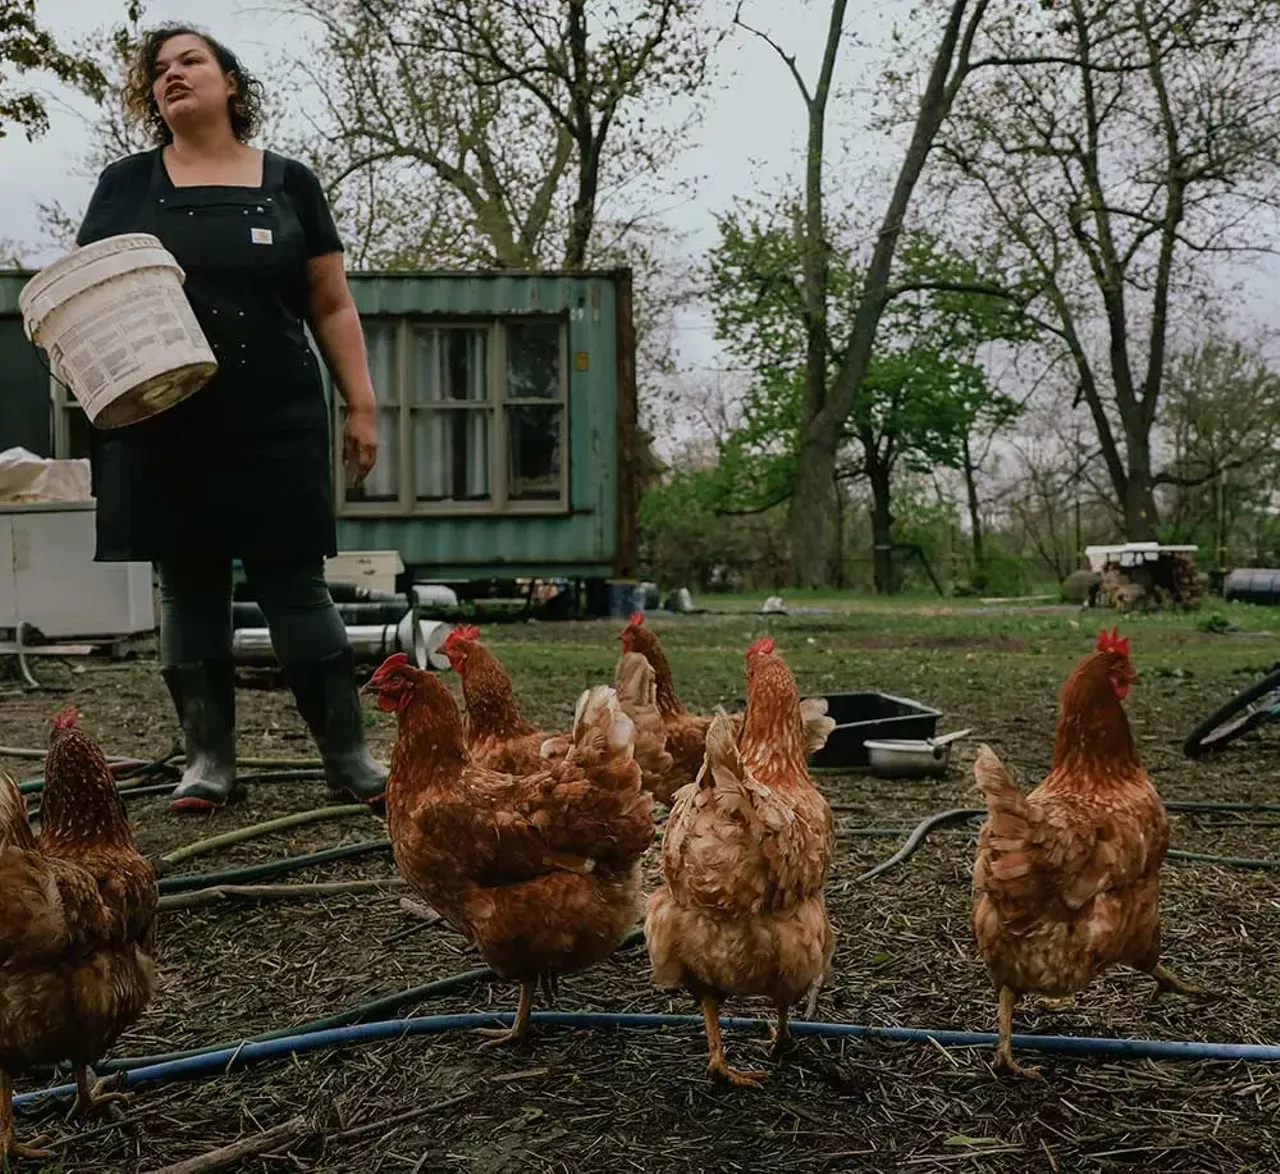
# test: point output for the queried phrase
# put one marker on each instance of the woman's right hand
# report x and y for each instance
(360, 443)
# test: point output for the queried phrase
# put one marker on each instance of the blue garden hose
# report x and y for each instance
(228, 1059)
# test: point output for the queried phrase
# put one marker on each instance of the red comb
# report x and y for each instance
(636, 619)
(1112, 642)
(394, 661)
(67, 718)
(762, 646)
(461, 633)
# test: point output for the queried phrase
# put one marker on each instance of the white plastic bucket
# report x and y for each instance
(118, 328)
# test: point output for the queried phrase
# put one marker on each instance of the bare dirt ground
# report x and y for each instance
(618, 1100)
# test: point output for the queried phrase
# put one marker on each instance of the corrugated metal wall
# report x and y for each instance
(24, 383)
(580, 542)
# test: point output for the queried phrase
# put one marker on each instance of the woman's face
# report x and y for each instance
(189, 83)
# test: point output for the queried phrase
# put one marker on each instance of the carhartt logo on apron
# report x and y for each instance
(260, 236)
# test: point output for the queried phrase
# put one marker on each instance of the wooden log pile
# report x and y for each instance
(1171, 580)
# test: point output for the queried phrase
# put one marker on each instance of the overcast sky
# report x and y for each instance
(751, 140)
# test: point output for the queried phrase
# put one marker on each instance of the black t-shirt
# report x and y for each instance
(124, 184)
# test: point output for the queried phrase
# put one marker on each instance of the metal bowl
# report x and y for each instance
(911, 758)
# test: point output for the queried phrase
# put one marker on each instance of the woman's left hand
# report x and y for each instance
(360, 443)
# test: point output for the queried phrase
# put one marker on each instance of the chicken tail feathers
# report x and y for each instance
(637, 687)
(600, 728)
(817, 725)
(1006, 849)
(723, 766)
(15, 829)
(997, 786)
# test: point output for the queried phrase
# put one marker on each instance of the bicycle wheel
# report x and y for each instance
(1247, 710)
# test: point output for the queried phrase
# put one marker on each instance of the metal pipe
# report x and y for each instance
(249, 615)
(419, 639)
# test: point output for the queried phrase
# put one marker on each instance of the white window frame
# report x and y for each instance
(499, 501)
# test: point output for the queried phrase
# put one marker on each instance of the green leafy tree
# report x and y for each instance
(27, 47)
(924, 390)
(1222, 418)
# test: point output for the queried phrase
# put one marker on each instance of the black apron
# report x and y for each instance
(240, 469)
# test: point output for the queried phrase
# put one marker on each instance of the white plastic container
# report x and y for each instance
(118, 328)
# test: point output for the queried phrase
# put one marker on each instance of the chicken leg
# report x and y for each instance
(519, 1029)
(96, 1098)
(1169, 983)
(1005, 1064)
(11, 1149)
(716, 1066)
(783, 1041)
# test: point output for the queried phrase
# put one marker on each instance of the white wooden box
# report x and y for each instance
(376, 569)
(48, 577)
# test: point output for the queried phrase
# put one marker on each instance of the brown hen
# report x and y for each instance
(686, 733)
(540, 871)
(744, 861)
(500, 738)
(77, 925)
(1067, 878)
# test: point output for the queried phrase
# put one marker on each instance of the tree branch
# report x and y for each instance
(789, 59)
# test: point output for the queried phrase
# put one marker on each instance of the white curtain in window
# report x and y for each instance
(383, 483)
(450, 444)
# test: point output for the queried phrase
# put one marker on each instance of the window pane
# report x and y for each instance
(451, 455)
(533, 360)
(534, 469)
(450, 365)
(383, 483)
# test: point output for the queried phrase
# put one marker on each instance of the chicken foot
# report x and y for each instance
(716, 1066)
(11, 1149)
(1005, 1064)
(519, 1029)
(98, 1097)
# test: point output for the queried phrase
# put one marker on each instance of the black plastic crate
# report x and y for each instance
(859, 716)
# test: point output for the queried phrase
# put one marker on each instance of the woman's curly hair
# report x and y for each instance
(244, 106)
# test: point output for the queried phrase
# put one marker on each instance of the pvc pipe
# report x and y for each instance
(418, 638)
(229, 1059)
(360, 1013)
(368, 642)
(255, 872)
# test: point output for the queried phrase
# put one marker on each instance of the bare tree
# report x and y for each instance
(1133, 140)
(504, 133)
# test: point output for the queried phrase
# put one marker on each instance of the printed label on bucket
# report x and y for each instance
(104, 351)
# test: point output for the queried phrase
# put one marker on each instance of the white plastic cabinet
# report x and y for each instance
(48, 577)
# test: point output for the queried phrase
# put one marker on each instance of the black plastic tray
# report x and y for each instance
(859, 716)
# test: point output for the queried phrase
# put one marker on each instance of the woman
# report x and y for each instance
(240, 469)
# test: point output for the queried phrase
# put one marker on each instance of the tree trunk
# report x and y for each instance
(881, 528)
(1141, 518)
(838, 578)
(808, 526)
(978, 576)
(821, 432)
